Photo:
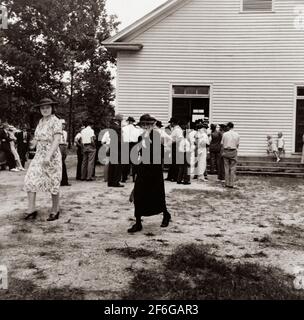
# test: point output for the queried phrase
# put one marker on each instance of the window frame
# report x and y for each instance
(257, 11)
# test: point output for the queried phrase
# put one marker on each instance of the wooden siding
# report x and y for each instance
(252, 61)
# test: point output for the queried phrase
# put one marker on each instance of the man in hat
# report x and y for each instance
(88, 151)
(230, 142)
(130, 136)
(115, 170)
(63, 149)
(176, 135)
(5, 147)
(23, 142)
(221, 173)
(78, 143)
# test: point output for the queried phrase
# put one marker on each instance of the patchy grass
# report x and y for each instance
(27, 290)
(191, 272)
(134, 253)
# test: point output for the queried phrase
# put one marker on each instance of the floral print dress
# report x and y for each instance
(40, 177)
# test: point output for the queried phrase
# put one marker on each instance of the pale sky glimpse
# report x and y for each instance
(128, 11)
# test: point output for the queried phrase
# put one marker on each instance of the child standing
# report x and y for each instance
(272, 148)
(280, 144)
(184, 153)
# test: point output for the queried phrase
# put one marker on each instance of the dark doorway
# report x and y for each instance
(188, 109)
(299, 125)
(190, 103)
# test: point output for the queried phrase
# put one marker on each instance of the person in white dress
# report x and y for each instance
(202, 141)
(45, 170)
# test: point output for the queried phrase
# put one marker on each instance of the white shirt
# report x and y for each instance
(105, 138)
(130, 133)
(231, 140)
(202, 140)
(192, 138)
(184, 145)
(87, 134)
(64, 138)
(281, 143)
(177, 133)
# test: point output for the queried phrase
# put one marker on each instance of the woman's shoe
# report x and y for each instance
(135, 228)
(31, 215)
(53, 216)
(166, 220)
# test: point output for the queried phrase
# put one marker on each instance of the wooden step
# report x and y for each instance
(296, 159)
(270, 164)
(271, 169)
(274, 174)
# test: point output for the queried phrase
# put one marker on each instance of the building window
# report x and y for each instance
(191, 90)
(257, 5)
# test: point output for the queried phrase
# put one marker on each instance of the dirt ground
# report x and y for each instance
(87, 252)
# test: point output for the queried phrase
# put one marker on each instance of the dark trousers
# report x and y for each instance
(10, 159)
(221, 172)
(230, 162)
(126, 168)
(184, 170)
(88, 161)
(79, 163)
(173, 168)
(65, 179)
(214, 162)
(22, 150)
(114, 174)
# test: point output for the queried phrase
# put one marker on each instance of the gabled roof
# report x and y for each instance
(145, 22)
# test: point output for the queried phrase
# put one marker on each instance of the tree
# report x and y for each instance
(45, 40)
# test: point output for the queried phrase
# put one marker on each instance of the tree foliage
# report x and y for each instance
(44, 41)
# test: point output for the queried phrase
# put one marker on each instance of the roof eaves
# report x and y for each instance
(143, 21)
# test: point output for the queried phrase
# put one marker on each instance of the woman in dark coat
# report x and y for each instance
(149, 190)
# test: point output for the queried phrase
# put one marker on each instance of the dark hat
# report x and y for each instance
(131, 119)
(159, 124)
(45, 102)
(146, 119)
(230, 125)
(173, 120)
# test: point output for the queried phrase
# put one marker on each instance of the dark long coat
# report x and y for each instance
(149, 189)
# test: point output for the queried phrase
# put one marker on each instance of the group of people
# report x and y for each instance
(141, 149)
(14, 146)
(184, 150)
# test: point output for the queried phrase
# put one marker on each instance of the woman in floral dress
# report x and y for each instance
(45, 171)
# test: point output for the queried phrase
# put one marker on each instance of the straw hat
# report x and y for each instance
(46, 102)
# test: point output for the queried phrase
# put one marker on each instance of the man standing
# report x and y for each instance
(5, 146)
(78, 144)
(114, 172)
(230, 142)
(176, 135)
(88, 152)
(130, 136)
(23, 141)
(64, 149)
(215, 149)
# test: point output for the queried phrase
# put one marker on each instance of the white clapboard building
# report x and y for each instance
(229, 60)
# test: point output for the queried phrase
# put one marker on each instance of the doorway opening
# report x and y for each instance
(191, 103)
(299, 119)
